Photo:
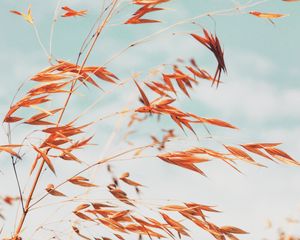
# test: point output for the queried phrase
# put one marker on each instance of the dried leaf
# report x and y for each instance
(234, 230)
(81, 181)
(239, 153)
(45, 157)
(137, 16)
(144, 97)
(267, 15)
(73, 13)
(83, 216)
(51, 190)
(81, 206)
(9, 149)
(27, 17)
(212, 43)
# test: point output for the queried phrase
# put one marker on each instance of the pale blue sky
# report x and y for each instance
(261, 95)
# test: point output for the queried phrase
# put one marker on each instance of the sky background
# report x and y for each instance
(260, 95)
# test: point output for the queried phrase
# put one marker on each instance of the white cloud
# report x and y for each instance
(256, 98)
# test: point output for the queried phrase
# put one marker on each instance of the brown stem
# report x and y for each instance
(26, 207)
(29, 198)
(97, 34)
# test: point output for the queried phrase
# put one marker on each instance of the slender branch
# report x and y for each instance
(208, 14)
(99, 30)
(26, 207)
(18, 183)
(15, 169)
(36, 179)
(40, 42)
(55, 17)
(86, 42)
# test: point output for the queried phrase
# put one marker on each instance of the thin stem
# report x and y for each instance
(208, 14)
(13, 161)
(18, 182)
(99, 30)
(86, 42)
(55, 17)
(40, 41)
(27, 204)
(26, 207)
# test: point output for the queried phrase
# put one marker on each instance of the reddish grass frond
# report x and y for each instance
(147, 7)
(69, 12)
(124, 212)
(213, 44)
